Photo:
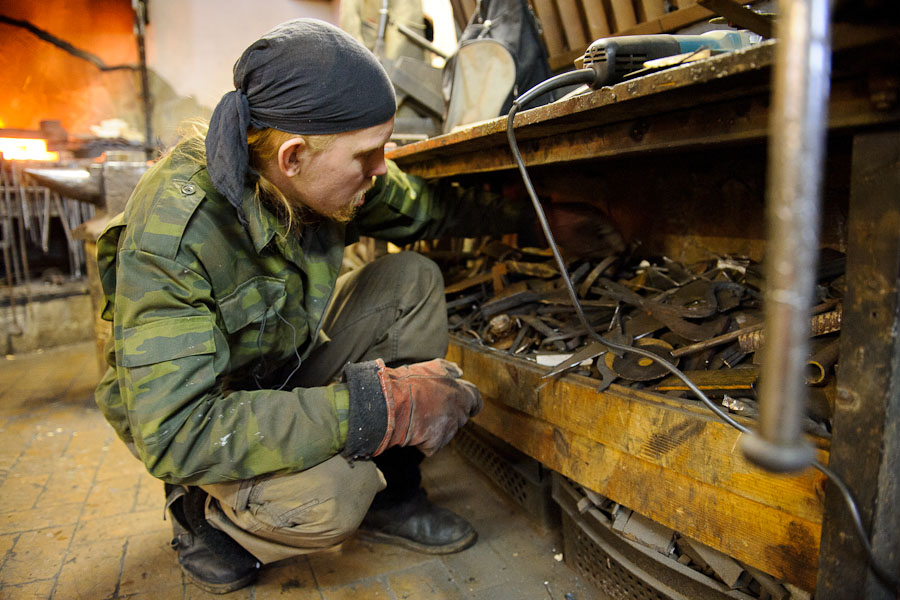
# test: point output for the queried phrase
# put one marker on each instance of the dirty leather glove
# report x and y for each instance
(422, 405)
(580, 229)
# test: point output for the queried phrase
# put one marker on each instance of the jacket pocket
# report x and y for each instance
(250, 302)
(167, 339)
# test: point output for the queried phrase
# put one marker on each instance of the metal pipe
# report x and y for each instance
(140, 19)
(796, 149)
(417, 39)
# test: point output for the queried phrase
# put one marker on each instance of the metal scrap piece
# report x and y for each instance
(636, 367)
(589, 352)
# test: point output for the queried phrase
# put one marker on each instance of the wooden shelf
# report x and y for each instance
(722, 100)
(668, 459)
(677, 160)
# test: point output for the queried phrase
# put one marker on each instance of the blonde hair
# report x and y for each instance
(263, 146)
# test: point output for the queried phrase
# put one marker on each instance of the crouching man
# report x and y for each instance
(285, 407)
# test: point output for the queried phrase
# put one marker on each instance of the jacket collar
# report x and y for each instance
(261, 224)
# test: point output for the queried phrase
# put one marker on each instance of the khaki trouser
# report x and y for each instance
(391, 309)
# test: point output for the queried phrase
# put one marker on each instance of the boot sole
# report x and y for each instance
(396, 540)
(221, 588)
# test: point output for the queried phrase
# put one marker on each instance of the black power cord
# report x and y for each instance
(589, 77)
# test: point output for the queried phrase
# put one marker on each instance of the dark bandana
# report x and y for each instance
(304, 76)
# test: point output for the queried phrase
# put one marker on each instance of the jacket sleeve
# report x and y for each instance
(170, 361)
(404, 208)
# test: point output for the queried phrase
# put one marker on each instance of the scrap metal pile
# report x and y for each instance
(706, 318)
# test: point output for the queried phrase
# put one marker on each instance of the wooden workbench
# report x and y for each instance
(677, 160)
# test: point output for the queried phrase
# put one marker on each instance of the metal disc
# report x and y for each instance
(635, 367)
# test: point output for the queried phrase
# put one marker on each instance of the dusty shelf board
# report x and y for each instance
(720, 100)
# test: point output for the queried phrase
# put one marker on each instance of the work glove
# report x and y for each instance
(422, 404)
(581, 230)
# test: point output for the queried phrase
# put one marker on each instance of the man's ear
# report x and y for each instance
(291, 155)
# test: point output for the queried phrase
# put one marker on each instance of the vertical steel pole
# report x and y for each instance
(797, 131)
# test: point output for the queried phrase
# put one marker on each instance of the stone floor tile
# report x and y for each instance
(116, 461)
(525, 541)
(477, 567)
(6, 544)
(55, 434)
(360, 560)
(514, 591)
(373, 589)
(20, 491)
(91, 571)
(47, 444)
(36, 590)
(39, 518)
(291, 578)
(89, 444)
(36, 555)
(68, 486)
(192, 592)
(17, 433)
(9, 456)
(111, 496)
(150, 494)
(120, 527)
(428, 581)
(36, 465)
(149, 564)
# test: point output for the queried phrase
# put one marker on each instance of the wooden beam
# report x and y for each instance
(866, 430)
(652, 9)
(573, 23)
(721, 100)
(665, 458)
(670, 21)
(597, 21)
(624, 16)
(551, 24)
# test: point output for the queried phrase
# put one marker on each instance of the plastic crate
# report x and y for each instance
(528, 483)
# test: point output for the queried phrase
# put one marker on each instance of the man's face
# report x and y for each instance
(333, 182)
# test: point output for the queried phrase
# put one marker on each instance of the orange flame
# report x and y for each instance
(26, 149)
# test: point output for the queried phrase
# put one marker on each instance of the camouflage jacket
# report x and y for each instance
(196, 299)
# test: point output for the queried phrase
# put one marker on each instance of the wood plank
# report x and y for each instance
(468, 7)
(552, 26)
(670, 21)
(669, 462)
(597, 21)
(573, 24)
(623, 15)
(675, 111)
(460, 14)
(771, 540)
(652, 9)
(667, 23)
(695, 444)
(866, 432)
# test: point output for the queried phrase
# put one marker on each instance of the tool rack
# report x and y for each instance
(677, 160)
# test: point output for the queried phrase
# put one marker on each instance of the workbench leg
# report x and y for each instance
(865, 448)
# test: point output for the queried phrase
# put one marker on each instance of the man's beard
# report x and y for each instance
(348, 211)
(346, 214)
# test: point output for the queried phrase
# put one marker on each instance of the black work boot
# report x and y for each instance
(417, 524)
(208, 557)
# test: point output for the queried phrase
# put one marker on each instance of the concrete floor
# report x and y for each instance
(81, 518)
